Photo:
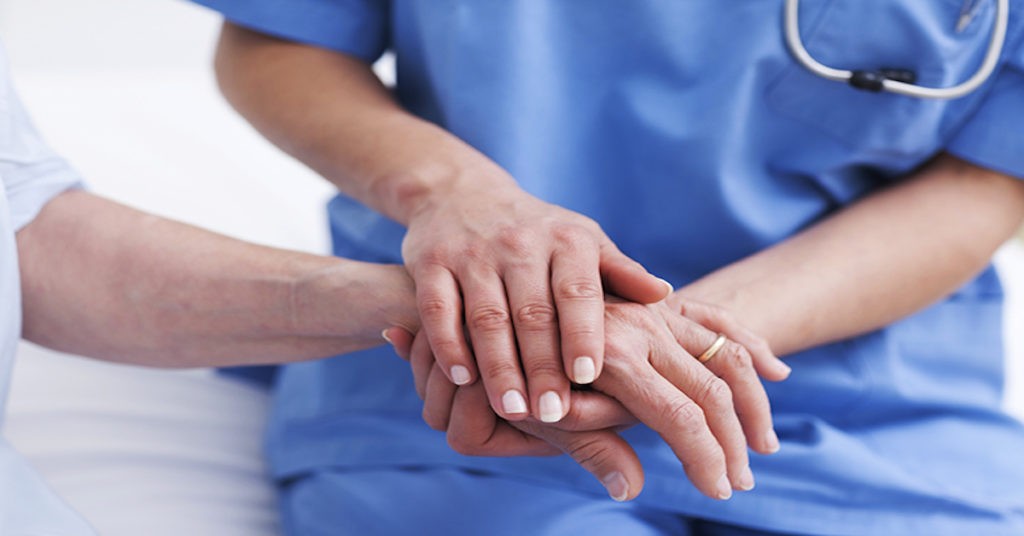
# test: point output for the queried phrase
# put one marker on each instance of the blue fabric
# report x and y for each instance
(334, 503)
(688, 131)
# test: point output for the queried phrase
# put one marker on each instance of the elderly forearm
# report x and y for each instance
(883, 258)
(331, 112)
(103, 280)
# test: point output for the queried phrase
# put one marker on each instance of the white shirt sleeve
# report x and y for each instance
(31, 172)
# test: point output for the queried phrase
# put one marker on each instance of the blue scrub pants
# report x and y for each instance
(454, 502)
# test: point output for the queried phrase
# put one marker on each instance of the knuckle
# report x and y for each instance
(535, 315)
(435, 307)
(446, 350)
(715, 393)
(572, 235)
(579, 289)
(736, 357)
(685, 415)
(488, 318)
(544, 368)
(499, 368)
(517, 241)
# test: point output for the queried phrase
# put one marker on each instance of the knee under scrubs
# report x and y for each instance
(31, 175)
(689, 132)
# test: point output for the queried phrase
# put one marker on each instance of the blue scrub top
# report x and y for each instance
(689, 132)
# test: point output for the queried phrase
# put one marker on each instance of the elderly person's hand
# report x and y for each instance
(527, 279)
(707, 413)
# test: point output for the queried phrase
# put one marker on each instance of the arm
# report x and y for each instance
(530, 277)
(103, 280)
(871, 264)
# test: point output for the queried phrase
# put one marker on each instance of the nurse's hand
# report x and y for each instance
(527, 279)
(707, 414)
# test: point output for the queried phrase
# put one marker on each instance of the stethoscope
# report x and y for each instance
(901, 81)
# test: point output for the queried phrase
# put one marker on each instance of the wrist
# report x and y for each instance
(352, 300)
(411, 193)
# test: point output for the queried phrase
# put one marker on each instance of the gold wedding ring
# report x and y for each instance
(713, 349)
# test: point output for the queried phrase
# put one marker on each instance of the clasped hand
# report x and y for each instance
(707, 413)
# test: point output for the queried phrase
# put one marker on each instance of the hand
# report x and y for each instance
(528, 280)
(474, 429)
(651, 371)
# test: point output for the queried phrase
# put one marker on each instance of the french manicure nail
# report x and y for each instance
(771, 441)
(616, 485)
(583, 370)
(724, 488)
(746, 482)
(671, 289)
(384, 335)
(550, 407)
(513, 402)
(460, 375)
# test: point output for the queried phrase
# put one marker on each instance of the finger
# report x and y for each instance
(440, 307)
(592, 410)
(603, 453)
(494, 345)
(579, 297)
(400, 340)
(715, 398)
(437, 405)
(536, 327)
(475, 430)
(676, 418)
(733, 364)
(422, 361)
(628, 279)
(767, 364)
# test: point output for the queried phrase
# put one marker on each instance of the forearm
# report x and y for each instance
(879, 260)
(103, 280)
(330, 111)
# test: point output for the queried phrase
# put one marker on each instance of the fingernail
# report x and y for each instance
(616, 485)
(550, 407)
(746, 482)
(785, 368)
(384, 335)
(460, 375)
(583, 370)
(671, 288)
(771, 441)
(724, 488)
(513, 402)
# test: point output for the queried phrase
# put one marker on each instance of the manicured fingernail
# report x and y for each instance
(616, 485)
(724, 488)
(460, 375)
(384, 335)
(550, 407)
(583, 370)
(787, 370)
(771, 441)
(671, 289)
(746, 482)
(513, 402)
